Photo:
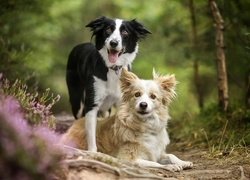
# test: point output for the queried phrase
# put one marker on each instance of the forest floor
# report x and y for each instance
(86, 165)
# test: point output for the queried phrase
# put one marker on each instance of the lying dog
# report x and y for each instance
(137, 132)
(93, 70)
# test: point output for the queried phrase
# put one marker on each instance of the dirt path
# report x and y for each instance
(85, 165)
(207, 167)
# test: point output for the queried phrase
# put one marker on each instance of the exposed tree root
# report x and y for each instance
(102, 163)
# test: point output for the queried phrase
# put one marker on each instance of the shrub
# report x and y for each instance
(26, 152)
(27, 144)
(36, 109)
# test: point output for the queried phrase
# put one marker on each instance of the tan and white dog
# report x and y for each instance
(137, 132)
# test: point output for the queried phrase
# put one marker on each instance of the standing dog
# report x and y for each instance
(93, 71)
(137, 132)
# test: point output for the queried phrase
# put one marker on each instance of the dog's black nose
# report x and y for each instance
(113, 43)
(143, 105)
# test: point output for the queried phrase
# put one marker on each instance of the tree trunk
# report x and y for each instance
(220, 57)
(196, 76)
(248, 91)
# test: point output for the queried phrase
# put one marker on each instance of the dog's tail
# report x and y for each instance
(75, 87)
(75, 92)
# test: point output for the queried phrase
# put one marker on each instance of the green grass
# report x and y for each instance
(222, 134)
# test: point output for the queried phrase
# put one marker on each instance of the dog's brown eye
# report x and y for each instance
(124, 32)
(138, 94)
(108, 31)
(152, 96)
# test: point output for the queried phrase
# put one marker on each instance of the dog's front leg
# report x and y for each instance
(172, 159)
(129, 152)
(152, 164)
(90, 125)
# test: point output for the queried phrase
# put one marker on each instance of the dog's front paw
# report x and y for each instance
(173, 167)
(186, 164)
(179, 166)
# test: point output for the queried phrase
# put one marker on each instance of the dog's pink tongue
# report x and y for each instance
(113, 56)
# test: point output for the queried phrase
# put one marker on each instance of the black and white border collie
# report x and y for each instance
(93, 70)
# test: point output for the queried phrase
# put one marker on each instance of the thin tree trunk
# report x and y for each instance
(220, 57)
(248, 91)
(196, 60)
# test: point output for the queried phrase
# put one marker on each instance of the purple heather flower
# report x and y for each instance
(31, 148)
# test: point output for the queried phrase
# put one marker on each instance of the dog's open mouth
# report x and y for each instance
(113, 55)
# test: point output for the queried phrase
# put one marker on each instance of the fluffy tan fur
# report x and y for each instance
(129, 136)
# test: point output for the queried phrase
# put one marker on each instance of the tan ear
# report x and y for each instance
(167, 84)
(127, 78)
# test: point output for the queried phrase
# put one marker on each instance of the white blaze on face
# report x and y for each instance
(115, 37)
(146, 89)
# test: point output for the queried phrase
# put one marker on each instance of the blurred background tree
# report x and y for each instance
(37, 36)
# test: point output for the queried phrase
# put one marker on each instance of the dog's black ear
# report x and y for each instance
(97, 24)
(140, 29)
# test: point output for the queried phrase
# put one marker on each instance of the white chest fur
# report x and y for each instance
(154, 139)
(154, 144)
(107, 92)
